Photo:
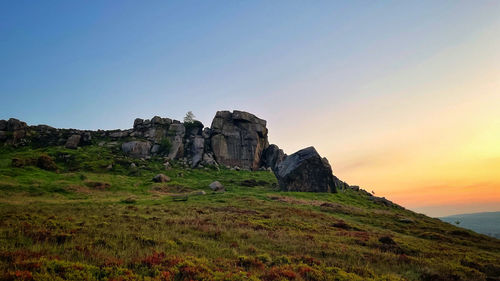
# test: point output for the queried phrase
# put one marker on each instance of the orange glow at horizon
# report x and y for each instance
(430, 136)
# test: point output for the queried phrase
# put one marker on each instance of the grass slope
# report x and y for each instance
(91, 221)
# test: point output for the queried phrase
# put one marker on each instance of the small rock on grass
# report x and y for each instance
(216, 186)
(129, 200)
(161, 178)
(199, 192)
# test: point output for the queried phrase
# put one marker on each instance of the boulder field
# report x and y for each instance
(236, 140)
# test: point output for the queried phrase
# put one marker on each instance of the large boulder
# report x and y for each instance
(305, 170)
(137, 149)
(153, 130)
(14, 124)
(73, 141)
(238, 139)
(17, 132)
(157, 120)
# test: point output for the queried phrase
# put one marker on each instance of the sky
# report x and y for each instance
(402, 97)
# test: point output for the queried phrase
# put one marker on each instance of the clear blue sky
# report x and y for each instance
(341, 75)
(99, 64)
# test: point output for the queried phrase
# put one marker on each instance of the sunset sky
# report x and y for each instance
(403, 97)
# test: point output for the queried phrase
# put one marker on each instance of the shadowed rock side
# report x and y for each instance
(238, 139)
(272, 157)
(305, 170)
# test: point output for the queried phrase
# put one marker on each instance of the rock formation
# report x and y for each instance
(305, 170)
(175, 135)
(73, 141)
(238, 139)
(13, 131)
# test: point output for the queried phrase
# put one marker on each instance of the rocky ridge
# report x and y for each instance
(235, 140)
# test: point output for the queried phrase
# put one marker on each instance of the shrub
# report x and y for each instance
(18, 162)
(264, 258)
(280, 273)
(46, 162)
(193, 125)
(43, 162)
(280, 260)
(165, 146)
(189, 118)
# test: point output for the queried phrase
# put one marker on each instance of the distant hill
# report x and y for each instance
(486, 223)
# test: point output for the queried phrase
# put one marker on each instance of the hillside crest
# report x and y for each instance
(236, 140)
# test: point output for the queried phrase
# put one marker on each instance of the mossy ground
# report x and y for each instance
(90, 221)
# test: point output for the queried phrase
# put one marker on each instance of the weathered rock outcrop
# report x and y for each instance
(176, 137)
(13, 131)
(238, 139)
(137, 149)
(194, 144)
(73, 141)
(305, 170)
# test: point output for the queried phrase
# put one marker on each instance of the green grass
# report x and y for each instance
(88, 222)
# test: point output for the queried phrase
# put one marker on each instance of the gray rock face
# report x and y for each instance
(273, 156)
(86, 138)
(73, 141)
(194, 143)
(176, 136)
(305, 171)
(154, 130)
(197, 148)
(238, 139)
(137, 149)
(157, 120)
(155, 134)
(118, 134)
(138, 122)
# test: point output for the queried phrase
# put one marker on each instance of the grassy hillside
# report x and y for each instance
(93, 217)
